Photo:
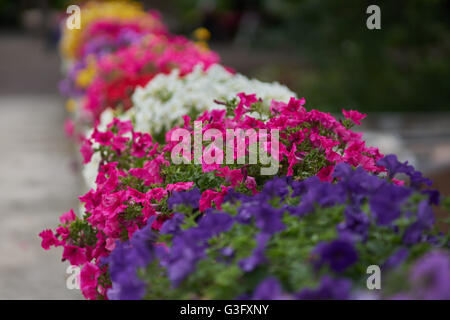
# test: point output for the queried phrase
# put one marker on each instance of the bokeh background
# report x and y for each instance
(399, 75)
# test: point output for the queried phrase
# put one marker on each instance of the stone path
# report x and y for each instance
(37, 181)
(37, 185)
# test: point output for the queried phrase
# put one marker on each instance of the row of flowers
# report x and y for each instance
(152, 228)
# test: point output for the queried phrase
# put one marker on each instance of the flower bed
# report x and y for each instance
(303, 222)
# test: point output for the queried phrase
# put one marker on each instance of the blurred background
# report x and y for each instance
(399, 75)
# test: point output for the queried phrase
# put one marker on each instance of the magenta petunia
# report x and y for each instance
(69, 127)
(325, 174)
(354, 115)
(67, 217)
(75, 255)
(86, 151)
(48, 239)
(88, 280)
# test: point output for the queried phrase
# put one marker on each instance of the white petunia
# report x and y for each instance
(167, 97)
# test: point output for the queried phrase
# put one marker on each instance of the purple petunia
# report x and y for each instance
(339, 254)
(188, 198)
(124, 261)
(215, 223)
(268, 289)
(172, 226)
(386, 203)
(413, 234)
(183, 255)
(316, 192)
(128, 287)
(393, 166)
(257, 257)
(396, 259)
(425, 219)
(357, 183)
(430, 276)
(188, 246)
(425, 214)
(329, 288)
(267, 218)
(356, 223)
(276, 187)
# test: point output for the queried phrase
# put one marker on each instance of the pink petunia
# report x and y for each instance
(206, 199)
(89, 280)
(354, 115)
(157, 223)
(63, 232)
(292, 159)
(121, 126)
(142, 142)
(48, 239)
(110, 244)
(119, 144)
(295, 105)
(210, 196)
(156, 194)
(246, 100)
(180, 186)
(86, 151)
(250, 183)
(69, 127)
(67, 217)
(233, 177)
(75, 255)
(325, 174)
(103, 138)
(398, 182)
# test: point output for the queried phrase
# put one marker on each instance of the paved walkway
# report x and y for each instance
(37, 185)
(37, 181)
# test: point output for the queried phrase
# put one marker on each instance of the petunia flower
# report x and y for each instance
(354, 115)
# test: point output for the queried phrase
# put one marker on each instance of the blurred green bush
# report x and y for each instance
(402, 67)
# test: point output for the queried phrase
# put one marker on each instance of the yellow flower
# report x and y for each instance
(92, 11)
(202, 35)
(71, 105)
(202, 44)
(86, 75)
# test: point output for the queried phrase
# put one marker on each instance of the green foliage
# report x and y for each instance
(347, 65)
(81, 233)
(324, 51)
(192, 172)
